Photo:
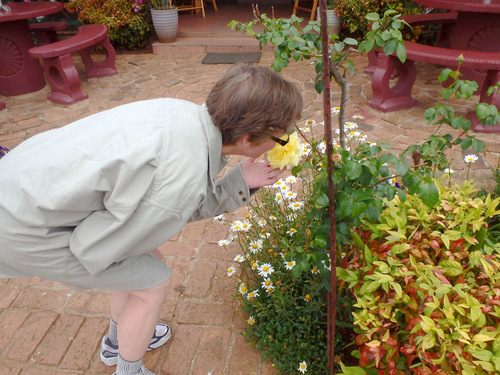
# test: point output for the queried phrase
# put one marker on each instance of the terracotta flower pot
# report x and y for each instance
(165, 22)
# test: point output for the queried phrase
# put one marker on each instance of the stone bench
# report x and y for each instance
(46, 32)
(58, 66)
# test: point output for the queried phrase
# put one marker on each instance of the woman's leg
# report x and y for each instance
(136, 313)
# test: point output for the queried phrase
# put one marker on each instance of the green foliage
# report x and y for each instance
(294, 43)
(426, 285)
(128, 21)
(353, 13)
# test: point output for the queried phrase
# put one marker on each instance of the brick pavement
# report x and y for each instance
(45, 328)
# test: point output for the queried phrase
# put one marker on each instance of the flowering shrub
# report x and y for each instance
(353, 13)
(426, 283)
(128, 21)
(369, 184)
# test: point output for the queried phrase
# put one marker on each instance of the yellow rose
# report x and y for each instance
(286, 156)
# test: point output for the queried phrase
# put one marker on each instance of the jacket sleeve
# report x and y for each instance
(225, 195)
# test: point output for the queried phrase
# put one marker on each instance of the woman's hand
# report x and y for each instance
(259, 174)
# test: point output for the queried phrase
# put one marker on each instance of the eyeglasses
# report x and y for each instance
(282, 142)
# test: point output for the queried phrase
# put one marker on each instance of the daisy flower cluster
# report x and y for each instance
(276, 265)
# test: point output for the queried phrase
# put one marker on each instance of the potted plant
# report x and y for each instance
(165, 20)
(331, 17)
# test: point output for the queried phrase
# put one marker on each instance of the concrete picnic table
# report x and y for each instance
(19, 73)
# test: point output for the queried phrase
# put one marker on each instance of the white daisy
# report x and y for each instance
(305, 129)
(358, 117)
(236, 226)
(471, 158)
(255, 246)
(321, 147)
(448, 170)
(290, 195)
(291, 231)
(291, 179)
(349, 125)
(335, 111)
(353, 134)
(302, 367)
(296, 205)
(272, 218)
(315, 270)
(251, 320)
(243, 289)
(270, 289)
(219, 218)
(278, 197)
(239, 258)
(306, 150)
(310, 122)
(265, 269)
(262, 223)
(278, 183)
(266, 283)
(290, 264)
(245, 226)
(223, 242)
(231, 271)
(252, 294)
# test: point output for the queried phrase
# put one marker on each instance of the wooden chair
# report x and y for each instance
(195, 6)
(312, 10)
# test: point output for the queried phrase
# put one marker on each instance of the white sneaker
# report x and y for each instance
(109, 352)
(142, 371)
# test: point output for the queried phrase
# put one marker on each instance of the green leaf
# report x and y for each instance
(353, 170)
(429, 193)
(451, 267)
(390, 47)
(401, 52)
(401, 167)
(350, 41)
(483, 355)
(372, 17)
(351, 370)
(372, 213)
(322, 200)
(445, 74)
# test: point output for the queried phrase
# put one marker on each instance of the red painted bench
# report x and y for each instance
(58, 66)
(46, 32)
(387, 98)
(445, 20)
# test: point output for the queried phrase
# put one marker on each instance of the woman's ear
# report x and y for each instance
(244, 140)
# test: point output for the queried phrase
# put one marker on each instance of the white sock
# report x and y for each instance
(125, 367)
(112, 332)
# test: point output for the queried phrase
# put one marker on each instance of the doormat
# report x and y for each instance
(232, 58)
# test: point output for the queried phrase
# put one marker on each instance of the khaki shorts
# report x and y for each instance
(141, 272)
(26, 256)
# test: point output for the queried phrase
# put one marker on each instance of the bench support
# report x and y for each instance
(94, 69)
(63, 79)
(387, 98)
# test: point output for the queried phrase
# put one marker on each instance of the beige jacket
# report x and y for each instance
(118, 183)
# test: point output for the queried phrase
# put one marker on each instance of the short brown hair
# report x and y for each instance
(253, 100)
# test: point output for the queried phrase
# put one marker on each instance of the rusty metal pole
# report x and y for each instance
(327, 113)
